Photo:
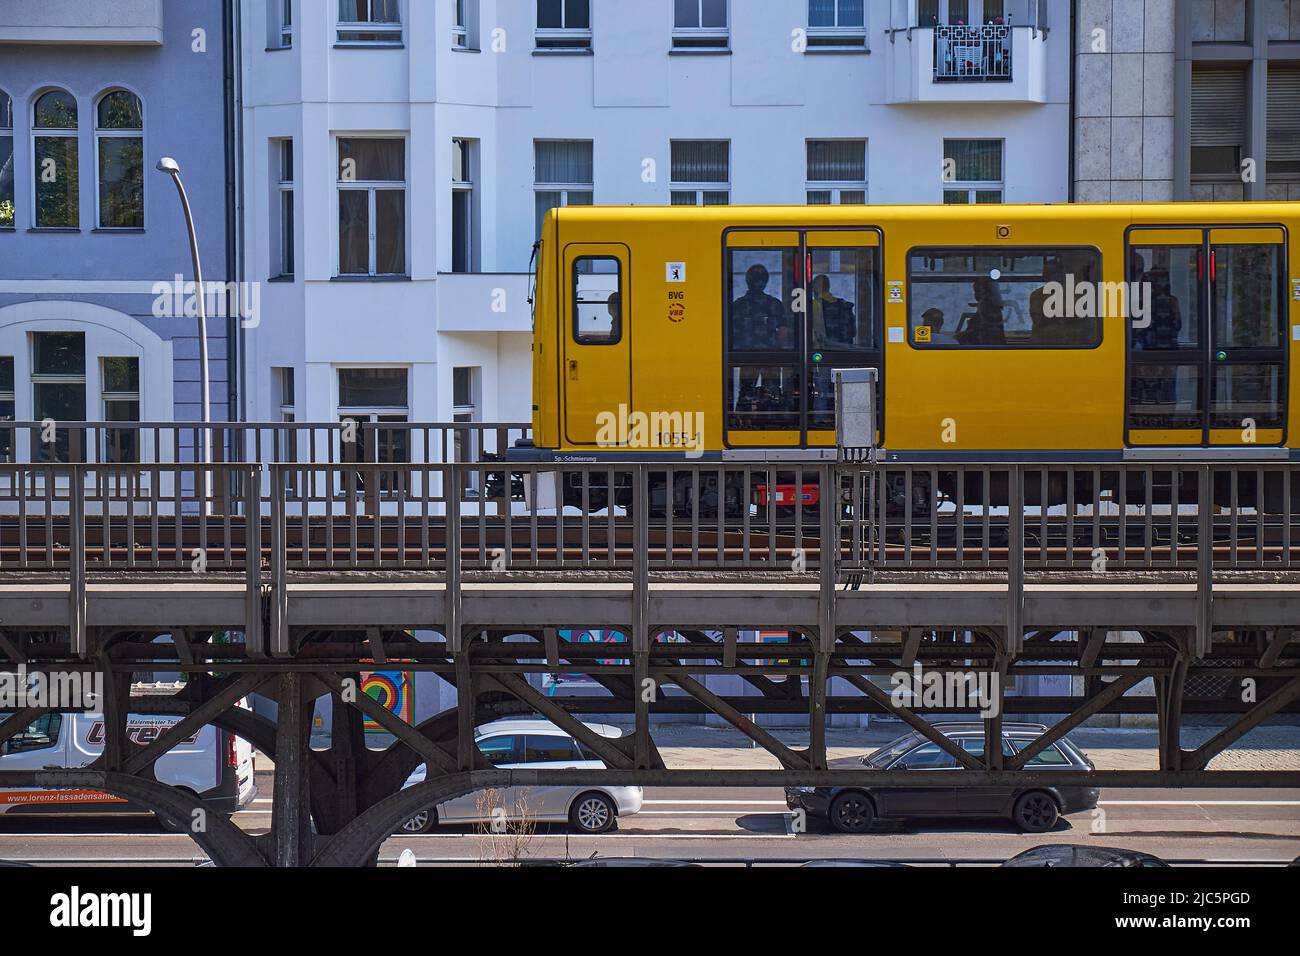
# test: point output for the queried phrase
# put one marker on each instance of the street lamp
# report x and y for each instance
(172, 168)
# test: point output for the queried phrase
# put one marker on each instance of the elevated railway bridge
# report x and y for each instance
(301, 555)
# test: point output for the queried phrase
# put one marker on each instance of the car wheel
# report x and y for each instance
(422, 822)
(851, 812)
(592, 813)
(1035, 812)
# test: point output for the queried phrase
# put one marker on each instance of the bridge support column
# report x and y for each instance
(290, 817)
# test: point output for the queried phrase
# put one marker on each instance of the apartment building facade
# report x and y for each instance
(1187, 100)
(93, 326)
(398, 156)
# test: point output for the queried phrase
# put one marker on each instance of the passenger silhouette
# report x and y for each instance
(757, 319)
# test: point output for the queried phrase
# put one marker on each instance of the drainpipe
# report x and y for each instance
(1074, 66)
(232, 32)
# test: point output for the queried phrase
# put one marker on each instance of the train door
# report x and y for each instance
(799, 303)
(596, 331)
(1207, 356)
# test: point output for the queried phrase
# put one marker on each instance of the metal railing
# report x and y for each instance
(972, 52)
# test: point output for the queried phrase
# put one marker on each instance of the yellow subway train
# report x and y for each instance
(1089, 333)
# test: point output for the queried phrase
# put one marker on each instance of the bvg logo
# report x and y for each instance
(74, 909)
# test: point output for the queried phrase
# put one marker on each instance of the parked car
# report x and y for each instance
(537, 745)
(1032, 809)
(630, 861)
(1067, 854)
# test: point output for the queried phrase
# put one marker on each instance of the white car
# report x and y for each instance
(537, 745)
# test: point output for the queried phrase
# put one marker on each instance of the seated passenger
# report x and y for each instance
(832, 321)
(756, 317)
(933, 320)
(984, 326)
(1049, 329)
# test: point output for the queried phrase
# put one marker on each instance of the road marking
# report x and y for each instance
(1199, 803)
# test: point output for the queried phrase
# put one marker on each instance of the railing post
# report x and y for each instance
(640, 508)
(76, 556)
(254, 638)
(828, 554)
(1205, 562)
(1015, 560)
(279, 563)
(451, 494)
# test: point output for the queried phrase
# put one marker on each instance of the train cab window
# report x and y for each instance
(597, 300)
(761, 314)
(1007, 298)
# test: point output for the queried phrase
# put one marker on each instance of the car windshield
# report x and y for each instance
(893, 750)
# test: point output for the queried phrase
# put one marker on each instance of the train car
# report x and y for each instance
(1091, 333)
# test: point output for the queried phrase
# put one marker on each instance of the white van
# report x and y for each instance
(213, 764)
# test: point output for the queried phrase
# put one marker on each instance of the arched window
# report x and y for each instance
(119, 149)
(6, 161)
(54, 139)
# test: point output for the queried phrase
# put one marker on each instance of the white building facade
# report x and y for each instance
(397, 155)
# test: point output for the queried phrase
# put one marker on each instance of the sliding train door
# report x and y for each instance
(595, 328)
(798, 303)
(1207, 350)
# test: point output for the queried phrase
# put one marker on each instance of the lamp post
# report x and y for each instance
(172, 168)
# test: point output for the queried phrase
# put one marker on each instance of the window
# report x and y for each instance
(975, 746)
(928, 757)
(500, 749)
(465, 401)
(972, 171)
(376, 397)
(550, 749)
(59, 391)
(370, 22)
(41, 734)
(282, 392)
(597, 301)
(54, 144)
(837, 172)
(372, 206)
(836, 24)
(563, 174)
(464, 32)
(119, 142)
(1004, 298)
(1049, 756)
(7, 399)
(6, 161)
(701, 172)
(1218, 122)
(464, 202)
(282, 23)
(282, 218)
(564, 25)
(120, 378)
(1283, 124)
(700, 24)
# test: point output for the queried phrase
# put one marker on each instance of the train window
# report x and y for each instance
(1172, 291)
(597, 300)
(841, 299)
(763, 398)
(1164, 396)
(1246, 308)
(1006, 298)
(1247, 392)
(761, 315)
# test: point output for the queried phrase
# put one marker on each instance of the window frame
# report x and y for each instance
(699, 189)
(285, 24)
(699, 38)
(972, 187)
(564, 189)
(838, 187)
(840, 37)
(131, 447)
(390, 32)
(975, 251)
(616, 327)
(464, 190)
(7, 133)
(562, 39)
(41, 132)
(285, 261)
(8, 397)
(102, 134)
(373, 187)
(45, 451)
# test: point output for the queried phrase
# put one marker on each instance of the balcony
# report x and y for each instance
(484, 302)
(995, 63)
(116, 22)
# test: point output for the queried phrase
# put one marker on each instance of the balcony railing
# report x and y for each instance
(963, 53)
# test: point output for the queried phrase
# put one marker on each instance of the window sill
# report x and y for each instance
(466, 49)
(281, 278)
(377, 45)
(55, 229)
(559, 51)
(703, 51)
(278, 49)
(7, 229)
(124, 231)
(836, 50)
(370, 279)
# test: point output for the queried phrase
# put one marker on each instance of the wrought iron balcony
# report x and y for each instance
(976, 53)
